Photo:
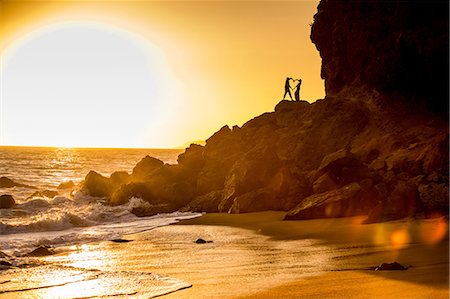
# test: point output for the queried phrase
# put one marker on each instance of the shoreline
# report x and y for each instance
(257, 255)
(355, 249)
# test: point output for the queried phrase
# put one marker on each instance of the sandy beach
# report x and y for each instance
(260, 256)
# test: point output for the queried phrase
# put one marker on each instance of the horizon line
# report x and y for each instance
(87, 147)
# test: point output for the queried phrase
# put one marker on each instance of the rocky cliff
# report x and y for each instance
(398, 48)
(377, 145)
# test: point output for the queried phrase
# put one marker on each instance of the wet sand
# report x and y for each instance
(326, 258)
(260, 256)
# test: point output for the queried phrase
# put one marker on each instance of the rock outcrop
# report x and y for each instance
(397, 48)
(97, 185)
(66, 185)
(377, 145)
(42, 250)
(6, 182)
(7, 201)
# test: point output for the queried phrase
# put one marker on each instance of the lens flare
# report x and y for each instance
(432, 233)
(399, 238)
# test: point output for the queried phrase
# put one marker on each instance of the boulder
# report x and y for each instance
(121, 240)
(255, 201)
(174, 184)
(221, 151)
(340, 168)
(66, 185)
(192, 158)
(290, 113)
(349, 200)
(145, 167)
(5, 263)
(42, 250)
(251, 172)
(135, 189)
(324, 183)
(289, 187)
(6, 182)
(219, 136)
(212, 177)
(208, 203)
(7, 201)
(202, 241)
(119, 178)
(97, 185)
(390, 266)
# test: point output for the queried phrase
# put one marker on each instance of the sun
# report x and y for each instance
(86, 84)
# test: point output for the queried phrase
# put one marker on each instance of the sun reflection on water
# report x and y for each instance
(88, 257)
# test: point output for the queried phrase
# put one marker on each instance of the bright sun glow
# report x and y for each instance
(84, 84)
(147, 73)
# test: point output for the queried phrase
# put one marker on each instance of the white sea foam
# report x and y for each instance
(74, 230)
(64, 221)
(70, 218)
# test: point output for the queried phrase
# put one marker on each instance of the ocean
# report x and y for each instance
(69, 218)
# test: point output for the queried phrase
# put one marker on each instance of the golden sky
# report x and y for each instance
(147, 73)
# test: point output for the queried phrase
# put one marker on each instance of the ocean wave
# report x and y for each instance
(46, 222)
(75, 230)
(69, 218)
(64, 220)
(62, 213)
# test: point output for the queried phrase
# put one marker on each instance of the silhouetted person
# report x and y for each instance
(287, 88)
(297, 90)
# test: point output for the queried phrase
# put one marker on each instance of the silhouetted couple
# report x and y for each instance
(287, 88)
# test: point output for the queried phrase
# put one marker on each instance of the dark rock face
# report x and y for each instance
(433, 195)
(402, 202)
(394, 47)
(7, 201)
